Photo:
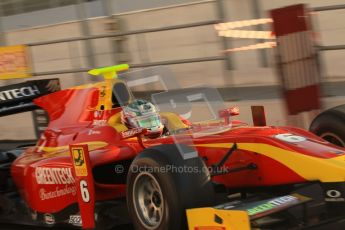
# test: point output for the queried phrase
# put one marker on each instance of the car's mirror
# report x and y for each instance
(228, 112)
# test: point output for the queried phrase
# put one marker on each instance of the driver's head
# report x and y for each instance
(143, 114)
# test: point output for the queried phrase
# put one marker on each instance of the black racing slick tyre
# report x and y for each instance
(161, 185)
(331, 127)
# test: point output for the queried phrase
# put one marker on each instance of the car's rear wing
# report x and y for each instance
(17, 98)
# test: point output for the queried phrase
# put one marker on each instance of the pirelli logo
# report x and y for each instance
(79, 161)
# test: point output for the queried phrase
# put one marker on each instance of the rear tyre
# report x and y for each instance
(330, 127)
(162, 185)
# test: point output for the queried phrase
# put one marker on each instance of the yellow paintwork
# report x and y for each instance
(109, 72)
(115, 122)
(79, 161)
(104, 99)
(174, 122)
(204, 217)
(64, 150)
(110, 76)
(105, 90)
(308, 167)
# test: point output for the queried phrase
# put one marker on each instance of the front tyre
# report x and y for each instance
(160, 188)
(330, 126)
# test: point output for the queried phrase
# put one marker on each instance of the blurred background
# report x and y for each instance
(65, 38)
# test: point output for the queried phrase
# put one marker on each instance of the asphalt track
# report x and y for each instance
(339, 225)
(27, 227)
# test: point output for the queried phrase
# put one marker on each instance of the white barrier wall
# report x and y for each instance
(180, 44)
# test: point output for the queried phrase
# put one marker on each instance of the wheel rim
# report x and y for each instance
(148, 200)
(333, 138)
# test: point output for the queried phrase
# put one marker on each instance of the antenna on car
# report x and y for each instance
(109, 72)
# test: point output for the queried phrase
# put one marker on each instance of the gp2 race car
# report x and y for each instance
(220, 174)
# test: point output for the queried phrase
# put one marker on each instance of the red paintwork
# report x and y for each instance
(75, 120)
(85, 187)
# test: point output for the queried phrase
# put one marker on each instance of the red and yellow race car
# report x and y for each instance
(223, 173)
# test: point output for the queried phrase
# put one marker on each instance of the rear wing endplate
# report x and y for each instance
(17, 98)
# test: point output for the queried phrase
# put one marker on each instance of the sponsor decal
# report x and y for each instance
(103, 91)
(131, 132)
(27, 91)
(79, 161)
(58, 192)
(334, 196)
(281, 201)
(93, 132)
(99, 122)
(288, 137)
(85, 194)
(14, 62)
(49, 218)
(75, 220)
(45, 175)
(17, 97)
(98, 114)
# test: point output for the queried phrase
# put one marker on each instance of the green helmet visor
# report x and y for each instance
(149, 122)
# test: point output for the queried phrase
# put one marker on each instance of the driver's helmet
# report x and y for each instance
(142, 114)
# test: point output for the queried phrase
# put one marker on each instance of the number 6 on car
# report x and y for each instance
(84, 183)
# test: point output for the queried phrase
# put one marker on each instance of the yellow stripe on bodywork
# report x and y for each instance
(308, 167)
(64, 150)
(204, 218)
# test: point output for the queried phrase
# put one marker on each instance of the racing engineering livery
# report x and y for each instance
(109, 162)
